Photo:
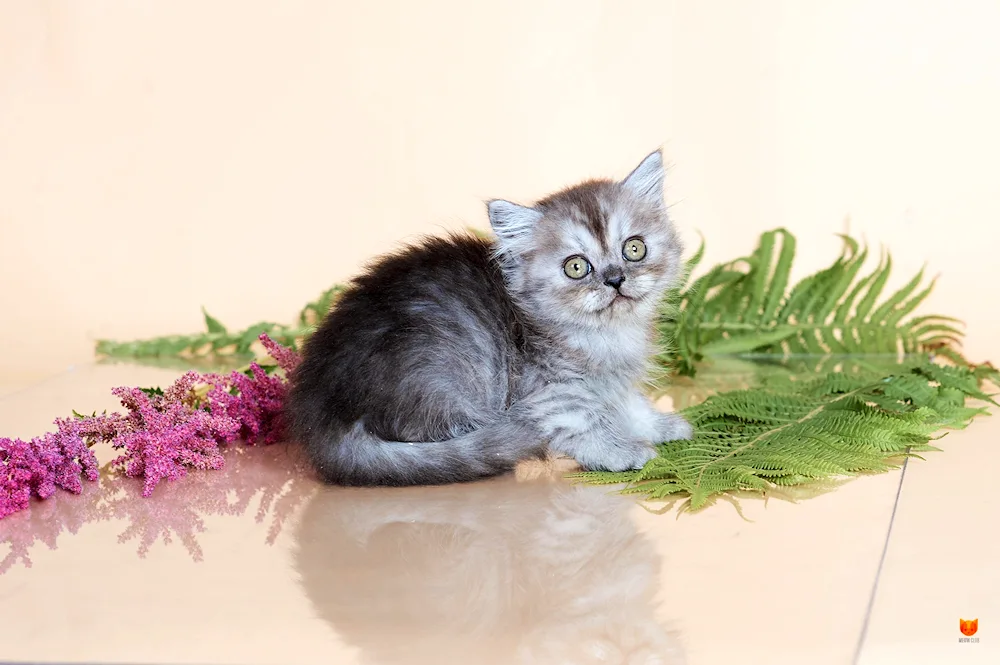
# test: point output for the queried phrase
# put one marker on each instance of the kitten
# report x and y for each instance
(458, 358)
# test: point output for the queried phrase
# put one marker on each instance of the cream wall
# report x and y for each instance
(160, 156)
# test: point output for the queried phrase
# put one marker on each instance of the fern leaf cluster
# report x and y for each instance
(791, 432)
(746, 306)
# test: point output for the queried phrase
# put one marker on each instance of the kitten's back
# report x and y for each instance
(412, 351)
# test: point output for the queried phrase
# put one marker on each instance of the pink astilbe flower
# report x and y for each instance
(286, 358)
(39, 466)
(167, 435)
(162, 435)
(254, 402)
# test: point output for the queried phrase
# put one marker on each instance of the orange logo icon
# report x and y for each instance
(968, 626)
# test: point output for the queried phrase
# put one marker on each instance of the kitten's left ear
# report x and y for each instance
(646, 181)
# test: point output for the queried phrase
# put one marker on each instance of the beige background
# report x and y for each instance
(160, 156)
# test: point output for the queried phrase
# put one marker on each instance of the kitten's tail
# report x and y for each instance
(354, 456)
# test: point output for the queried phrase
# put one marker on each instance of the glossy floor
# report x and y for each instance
(259, 564)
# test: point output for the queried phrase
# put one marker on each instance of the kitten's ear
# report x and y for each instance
(511, 222)
(646, 180)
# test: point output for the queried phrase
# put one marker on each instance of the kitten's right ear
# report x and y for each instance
(511, 222)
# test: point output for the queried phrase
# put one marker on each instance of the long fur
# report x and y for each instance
(456, 358)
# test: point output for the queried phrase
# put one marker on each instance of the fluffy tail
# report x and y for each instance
(353, 456)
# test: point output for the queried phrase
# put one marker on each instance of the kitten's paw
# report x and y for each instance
(645, 454)
(673, 427)
(624, 457)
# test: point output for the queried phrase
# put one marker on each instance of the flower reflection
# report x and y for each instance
(64, 512)
(271, 479)
(501, 571)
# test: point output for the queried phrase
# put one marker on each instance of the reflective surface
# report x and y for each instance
(258, 563)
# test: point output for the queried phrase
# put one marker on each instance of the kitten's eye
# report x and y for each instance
(634, 249)
(576, 267)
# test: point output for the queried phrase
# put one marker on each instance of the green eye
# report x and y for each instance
(576, 267)
(634, 249)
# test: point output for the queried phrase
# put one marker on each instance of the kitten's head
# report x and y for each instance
(601, 253)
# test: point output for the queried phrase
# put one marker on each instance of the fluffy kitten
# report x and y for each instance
(455, 359)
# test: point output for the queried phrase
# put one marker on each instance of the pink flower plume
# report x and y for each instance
(161, 435)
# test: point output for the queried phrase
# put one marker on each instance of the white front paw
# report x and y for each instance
(673, 427)
(622, 457)
(644, 455)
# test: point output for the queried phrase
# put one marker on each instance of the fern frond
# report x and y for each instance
(790, 432)
(746, 307)
(216, 344)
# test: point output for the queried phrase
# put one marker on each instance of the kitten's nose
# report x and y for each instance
(614, 279)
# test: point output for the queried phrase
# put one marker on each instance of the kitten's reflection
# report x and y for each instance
(499, 571)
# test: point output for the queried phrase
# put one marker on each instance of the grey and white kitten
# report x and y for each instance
(455, 359)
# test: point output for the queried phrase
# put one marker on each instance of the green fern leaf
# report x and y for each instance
(746, 307)
(790, 432)
(217, 345)
(748, 342)
(880, 277)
